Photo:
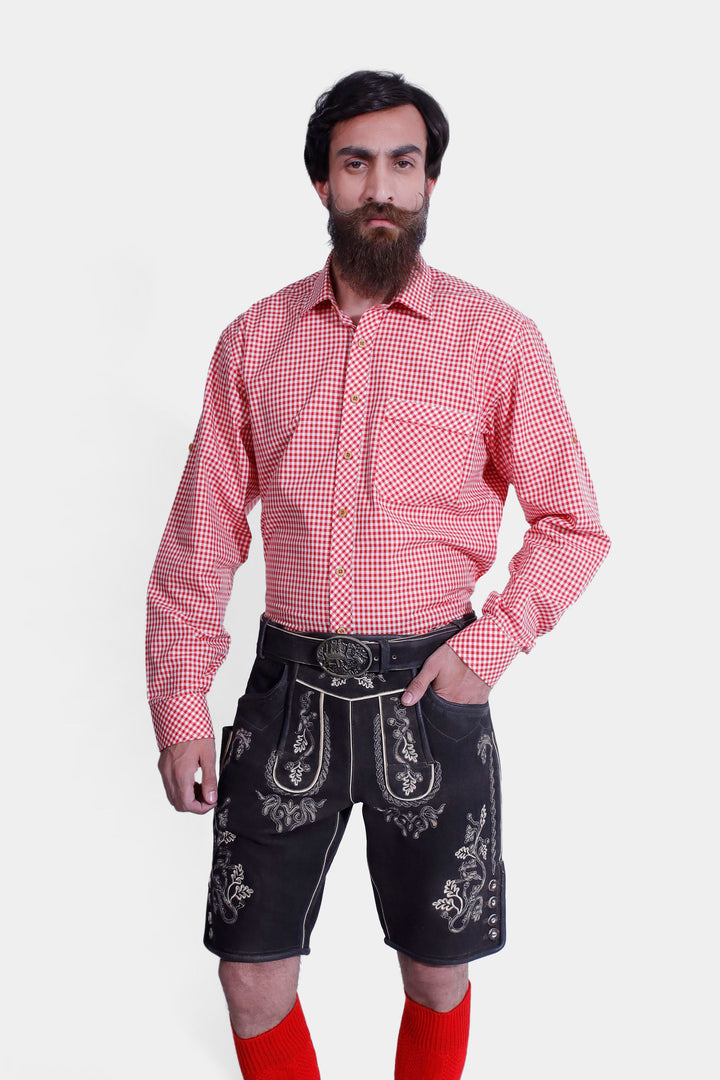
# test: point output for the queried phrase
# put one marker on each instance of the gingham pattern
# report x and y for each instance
(382, 454)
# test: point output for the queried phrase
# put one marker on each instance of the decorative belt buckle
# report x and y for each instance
(344, 656)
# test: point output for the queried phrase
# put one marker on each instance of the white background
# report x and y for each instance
(154, 188)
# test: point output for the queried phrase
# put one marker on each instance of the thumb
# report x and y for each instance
(209, 780)
(422, 680)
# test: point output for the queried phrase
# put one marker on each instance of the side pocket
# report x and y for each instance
(452, 719)
(226, 739)
(264, 699)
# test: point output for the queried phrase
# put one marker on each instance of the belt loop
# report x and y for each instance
(261, 636)
(384, 654)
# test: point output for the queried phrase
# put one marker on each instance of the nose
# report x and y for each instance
(379, 186)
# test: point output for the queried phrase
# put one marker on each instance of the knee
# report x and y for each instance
(260, 995)
(238, 980)
(438, 988)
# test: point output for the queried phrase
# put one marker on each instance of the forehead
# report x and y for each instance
(382, 130)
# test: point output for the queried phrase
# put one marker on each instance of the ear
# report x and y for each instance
(323, 189)
(429, 187)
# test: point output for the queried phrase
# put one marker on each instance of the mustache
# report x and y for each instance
(394, 214)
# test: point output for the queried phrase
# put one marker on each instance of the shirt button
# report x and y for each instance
(342, 512)
(361, 342)
(340, 571)
(347, 455)
(355, 398)
(341, 630)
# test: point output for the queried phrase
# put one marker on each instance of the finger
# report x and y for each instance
(190, 801)
(208, 788)
(420, 683)
(199, 804)
(186, 795)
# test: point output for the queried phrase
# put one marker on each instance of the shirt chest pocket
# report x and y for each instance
(422, 453)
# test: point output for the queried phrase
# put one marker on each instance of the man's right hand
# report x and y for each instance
(178, 765)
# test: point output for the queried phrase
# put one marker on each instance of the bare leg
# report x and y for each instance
(259, 996)
(438, 988)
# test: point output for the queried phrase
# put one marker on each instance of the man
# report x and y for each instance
(379, 409)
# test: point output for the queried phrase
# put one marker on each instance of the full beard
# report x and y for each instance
(376, 261)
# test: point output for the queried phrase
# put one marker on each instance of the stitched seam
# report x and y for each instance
(352, 756)
(383, 919)
(340, 697)
(319, 881)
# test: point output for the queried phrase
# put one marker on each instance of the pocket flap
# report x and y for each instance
(425, 415)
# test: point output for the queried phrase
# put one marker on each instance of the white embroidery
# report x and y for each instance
(228, 889)
(412, 823)
(240, 743)
(287, 813)
(405, 753)
(462, 900)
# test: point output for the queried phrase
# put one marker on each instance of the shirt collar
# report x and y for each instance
(322, 290)
(417, 294)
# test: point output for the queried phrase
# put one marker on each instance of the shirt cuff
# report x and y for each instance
(485, 648)
(180, 719)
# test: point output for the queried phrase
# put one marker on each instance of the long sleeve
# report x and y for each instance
(533, 446)
(207, 537)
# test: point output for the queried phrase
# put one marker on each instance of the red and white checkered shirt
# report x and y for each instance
(382, 455)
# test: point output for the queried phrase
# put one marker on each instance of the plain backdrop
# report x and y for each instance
(153, 189)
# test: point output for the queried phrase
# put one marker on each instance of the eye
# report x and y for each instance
(354, 165)
(404, 164)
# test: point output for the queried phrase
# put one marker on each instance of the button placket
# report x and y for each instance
(351, 439)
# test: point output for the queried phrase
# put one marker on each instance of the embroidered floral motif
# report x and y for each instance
(224, 836)
(412, 823)
(462, 901)
(405, 781)
(404, 748)
(240, 743)
(228, 890)
(408, 778)
(304, 745)
(405, 753)
(304, 742)
(367, 681)
(287, 813)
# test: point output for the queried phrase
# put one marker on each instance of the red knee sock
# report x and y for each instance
(285, 1052)
(432, 1045)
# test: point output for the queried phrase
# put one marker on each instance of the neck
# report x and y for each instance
(352, 303)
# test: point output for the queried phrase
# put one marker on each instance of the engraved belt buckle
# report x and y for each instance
(344, 656)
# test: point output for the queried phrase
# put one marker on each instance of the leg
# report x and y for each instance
(259, 996)
(433, 1038)
(271, 1037)
(437, 988)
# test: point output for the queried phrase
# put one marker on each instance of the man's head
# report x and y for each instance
(368, 92)
(374, 148)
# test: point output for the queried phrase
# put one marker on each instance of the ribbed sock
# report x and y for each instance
(432, 1045)
(285, 1052)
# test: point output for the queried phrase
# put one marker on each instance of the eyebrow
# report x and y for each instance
(367, 155)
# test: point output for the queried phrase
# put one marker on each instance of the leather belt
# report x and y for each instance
(346, 655)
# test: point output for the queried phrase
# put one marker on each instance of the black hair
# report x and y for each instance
(372, 91)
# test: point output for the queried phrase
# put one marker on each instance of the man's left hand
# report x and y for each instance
(452, 679)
